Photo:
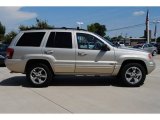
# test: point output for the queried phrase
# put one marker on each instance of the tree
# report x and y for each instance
(2, 31)
(40, 24)
(23, 27)
(120, 37)
(43, 24)
(9, 37)
(107, 38)
(97, 28)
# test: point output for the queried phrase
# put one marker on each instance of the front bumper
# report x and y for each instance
(151, 66)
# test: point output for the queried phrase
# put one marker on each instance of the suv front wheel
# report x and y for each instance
(38, 75)
(133, 74)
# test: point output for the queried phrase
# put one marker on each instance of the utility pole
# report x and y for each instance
(155, 31)
(125, 38)
(147, 26)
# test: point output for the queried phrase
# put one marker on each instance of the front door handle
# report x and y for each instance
(81, 54)
(49, 52)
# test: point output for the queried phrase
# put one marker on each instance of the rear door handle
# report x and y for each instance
(49, 52)
(81, 54)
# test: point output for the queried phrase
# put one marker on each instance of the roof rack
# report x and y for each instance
(58, 28)
(70, 28)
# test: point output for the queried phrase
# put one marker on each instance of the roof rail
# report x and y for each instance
(71, 28)
(57, 28)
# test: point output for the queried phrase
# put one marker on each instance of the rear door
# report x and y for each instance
(60, 46)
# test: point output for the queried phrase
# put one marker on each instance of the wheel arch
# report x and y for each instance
(35, 61)
(125, 62)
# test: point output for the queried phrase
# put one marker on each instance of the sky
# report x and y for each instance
(111, 17)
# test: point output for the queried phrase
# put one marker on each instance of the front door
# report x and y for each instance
(90, 59)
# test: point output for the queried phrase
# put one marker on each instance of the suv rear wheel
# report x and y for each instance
(39, 75)
(133, 74)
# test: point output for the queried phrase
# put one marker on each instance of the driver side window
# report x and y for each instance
(87, 41)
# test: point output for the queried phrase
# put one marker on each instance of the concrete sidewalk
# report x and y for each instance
(79, 95)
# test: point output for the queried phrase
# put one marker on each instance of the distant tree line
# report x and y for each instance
(7, 38)
(42, 24)
(2, 31)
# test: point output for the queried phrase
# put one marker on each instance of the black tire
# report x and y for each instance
(123, 75)
(45, 71)
(154, 53)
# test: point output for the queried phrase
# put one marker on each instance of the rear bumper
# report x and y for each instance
(15, 65)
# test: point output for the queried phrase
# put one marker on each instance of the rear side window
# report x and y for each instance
(60, 40)
(51, 39)
(33, 39)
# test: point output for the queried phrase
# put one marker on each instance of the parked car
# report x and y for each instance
(42, 54)
(121, 44)
(3, 50)
(147, 47)
(157, 45)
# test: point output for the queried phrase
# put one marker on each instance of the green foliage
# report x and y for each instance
(9, 37)
(40, 24)
(2, 31)
(107, 38)
(23, 27)
(120, 37)
(97, 28)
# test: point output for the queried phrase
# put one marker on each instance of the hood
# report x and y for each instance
(131, 50)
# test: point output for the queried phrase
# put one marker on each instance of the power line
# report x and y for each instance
(127, 27)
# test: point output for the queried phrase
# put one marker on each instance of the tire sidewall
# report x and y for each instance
(49, 75)
(126, 67)
(154, 53)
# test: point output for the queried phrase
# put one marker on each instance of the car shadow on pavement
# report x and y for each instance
(2, 65)
(65, 81)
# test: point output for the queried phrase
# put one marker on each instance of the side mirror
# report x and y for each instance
(105, 47)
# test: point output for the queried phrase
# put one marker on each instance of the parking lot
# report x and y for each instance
(79, 95)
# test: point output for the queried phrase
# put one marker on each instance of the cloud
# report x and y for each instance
(138, 13)
(12, 17)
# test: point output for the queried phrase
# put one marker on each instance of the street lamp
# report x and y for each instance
(79, 24)
(155, 32)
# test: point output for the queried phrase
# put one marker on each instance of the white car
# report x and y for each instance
(42, 54)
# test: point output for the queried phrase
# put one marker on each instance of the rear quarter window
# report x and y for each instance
(32, 39)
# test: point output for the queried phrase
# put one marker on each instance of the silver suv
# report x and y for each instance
(42, 54)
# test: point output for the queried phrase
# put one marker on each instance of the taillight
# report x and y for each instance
(10, 52)
(150, 56)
